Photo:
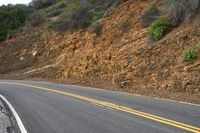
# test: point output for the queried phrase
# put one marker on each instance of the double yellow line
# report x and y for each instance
(118, 107)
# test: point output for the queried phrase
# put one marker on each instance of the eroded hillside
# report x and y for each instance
(128, 60)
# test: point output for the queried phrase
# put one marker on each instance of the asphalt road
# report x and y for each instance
(70, 109)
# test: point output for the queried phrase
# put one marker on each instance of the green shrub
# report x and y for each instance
(81, 17)
(123, 25)
(3, 33)
(149, 15)
(37, 19)
(60, 5)
(180, 10)
(158, 28)
(61, 24)
(57, 8)
(40, 4)
(96, 28)
(82, 13)
(36, 34)
(11, 17)
(78, 18)
(198, 44)
(189, 54)
(118, 2)
(95, 15)
(54, 12)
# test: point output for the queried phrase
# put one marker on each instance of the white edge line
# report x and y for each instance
(19, 122)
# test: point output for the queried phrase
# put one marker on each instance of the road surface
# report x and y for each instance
(57, 108)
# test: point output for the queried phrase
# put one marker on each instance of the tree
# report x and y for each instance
(11, 17)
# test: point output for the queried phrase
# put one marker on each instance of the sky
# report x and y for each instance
(5, 2)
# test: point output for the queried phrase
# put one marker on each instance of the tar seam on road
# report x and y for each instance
(19, 122)
(118, 107)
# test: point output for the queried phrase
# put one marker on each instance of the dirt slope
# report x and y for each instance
(128, 60)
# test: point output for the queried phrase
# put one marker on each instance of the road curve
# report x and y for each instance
(57, 108)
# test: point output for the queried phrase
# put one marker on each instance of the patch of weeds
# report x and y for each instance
(36, 34)
(37, 19)
(45, 34)
(40, 4)
(179, 11)
(96, 28)
(61, 24)
(158, 28)
(149, 15)
(198, 44)
(189, 54)
(54, 12)
(118, 2)
(77, 18)
(82, 14)
(124, 24)
(95, 15)
(60, 5)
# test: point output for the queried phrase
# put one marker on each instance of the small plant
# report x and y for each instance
(96, 28)
(149, 15)
(118, 2)
(158, 28)
(124, 25)
(39, 4)
(61, 24)
(198, 44)
(95, 15)
(54, 12)
(179, 11)
(79, 17)
(60, 5)
(189, 55)
(37, 19)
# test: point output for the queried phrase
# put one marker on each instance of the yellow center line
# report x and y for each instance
(118, 107)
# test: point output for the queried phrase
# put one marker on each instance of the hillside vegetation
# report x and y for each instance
(11, 17)
(138, 46)
(72, 14)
